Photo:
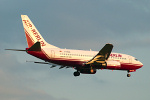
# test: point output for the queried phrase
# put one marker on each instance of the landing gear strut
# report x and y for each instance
(128, 75)
(76, 73)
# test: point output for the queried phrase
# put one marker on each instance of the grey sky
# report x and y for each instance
(74, 24)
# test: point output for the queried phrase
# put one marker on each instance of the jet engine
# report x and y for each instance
(113, 64)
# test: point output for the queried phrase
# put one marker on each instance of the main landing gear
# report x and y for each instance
(76, 73)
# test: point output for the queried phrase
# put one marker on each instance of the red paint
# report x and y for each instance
(115, 55)
(39, 54)
(30, 41)
(34, 32)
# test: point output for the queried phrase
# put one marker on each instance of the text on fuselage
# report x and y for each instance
(115, 55)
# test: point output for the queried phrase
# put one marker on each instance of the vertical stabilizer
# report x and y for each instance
(32, 34)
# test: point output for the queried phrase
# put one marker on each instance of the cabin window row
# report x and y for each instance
(76, 55)
(118, 58)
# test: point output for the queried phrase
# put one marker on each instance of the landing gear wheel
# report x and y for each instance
(76, 73)
(128, 75)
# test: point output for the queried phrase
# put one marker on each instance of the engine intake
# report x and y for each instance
(113, 64)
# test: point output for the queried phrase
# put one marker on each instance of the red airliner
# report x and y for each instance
(85, 62)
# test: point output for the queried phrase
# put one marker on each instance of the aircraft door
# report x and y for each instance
(130, 59)
(52, 54)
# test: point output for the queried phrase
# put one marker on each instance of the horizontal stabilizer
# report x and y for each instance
(15, 49)
(35, 47)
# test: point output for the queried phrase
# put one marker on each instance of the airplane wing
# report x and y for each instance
(102, 56)
(52, 65)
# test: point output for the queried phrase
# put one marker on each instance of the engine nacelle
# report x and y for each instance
(107, 65)
(88, 71)
(113, 64)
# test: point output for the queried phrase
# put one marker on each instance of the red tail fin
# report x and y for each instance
(32, 34)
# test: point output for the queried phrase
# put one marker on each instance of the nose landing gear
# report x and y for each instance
(128, 75)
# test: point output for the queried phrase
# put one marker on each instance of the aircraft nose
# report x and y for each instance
(141, 65)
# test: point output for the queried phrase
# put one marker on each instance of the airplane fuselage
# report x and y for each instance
(77, 58)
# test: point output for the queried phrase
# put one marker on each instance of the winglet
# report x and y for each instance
(106, 50)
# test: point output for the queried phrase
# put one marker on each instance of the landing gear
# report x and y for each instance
(76, 73)
(128, 75)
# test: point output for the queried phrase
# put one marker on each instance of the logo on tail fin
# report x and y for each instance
(34, 32)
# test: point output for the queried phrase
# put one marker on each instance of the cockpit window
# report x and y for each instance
(136, 59)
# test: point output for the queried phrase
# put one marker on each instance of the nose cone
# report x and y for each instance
(140, 64)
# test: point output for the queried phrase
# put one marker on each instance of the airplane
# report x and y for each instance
(84, 62)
